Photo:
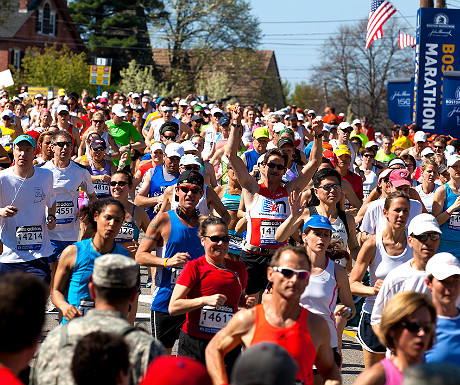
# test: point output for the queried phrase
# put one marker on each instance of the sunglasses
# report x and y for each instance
(440, 147)
(368, 155)
(277, 166)
(63, 144)
(172, 137)
(414, 327)
(98, 149)
(98, 121)
(217, 239)
(192, 168)
(346, 131)
(424, 237)
(288, 273)
(329, 187)
(186, 189)
(120, 183)
(42, 104)
(47, 142)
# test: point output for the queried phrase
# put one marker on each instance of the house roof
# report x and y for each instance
(12, 24)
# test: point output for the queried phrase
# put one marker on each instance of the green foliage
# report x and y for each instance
(138, 78)
(307, 96)
(287, 88)
(55, 66)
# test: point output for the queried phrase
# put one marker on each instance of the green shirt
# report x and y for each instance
(122, 133)
(384, 158)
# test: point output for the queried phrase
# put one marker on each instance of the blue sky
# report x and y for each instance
(297, 29)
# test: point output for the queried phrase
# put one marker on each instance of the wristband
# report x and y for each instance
(449, 214)
(52, 216)
(319, 136)
(164, 263)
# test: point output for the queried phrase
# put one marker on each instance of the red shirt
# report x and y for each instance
(204, 279)
(8, 378)
(369, 132)
(145, 167)
(356, 182)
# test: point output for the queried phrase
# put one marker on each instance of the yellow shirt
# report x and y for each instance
(8, 136)
(403, 142)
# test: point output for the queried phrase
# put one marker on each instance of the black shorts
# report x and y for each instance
(366, 336)
(165, 327)
(38, 267)
(195, 347)
(256, 265)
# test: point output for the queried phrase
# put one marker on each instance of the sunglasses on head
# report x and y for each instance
(98, 121)
(187, 189)
(288, 273)
(63, 144)
(120, 183)
(277, 166)
(424, 237)
(414, 327)
(217, 239)
(329, 187)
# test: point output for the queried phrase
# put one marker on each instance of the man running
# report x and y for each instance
(280, 319)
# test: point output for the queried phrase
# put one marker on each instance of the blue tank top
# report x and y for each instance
(182, 239)
(101, 189)
(84, 265)
(251, 159)
(451, 228)
(231, 202)
(158, 186)
(128, 231)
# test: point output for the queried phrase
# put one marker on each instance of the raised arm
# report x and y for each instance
(294, 220)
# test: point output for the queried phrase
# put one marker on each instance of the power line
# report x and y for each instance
(322, 21)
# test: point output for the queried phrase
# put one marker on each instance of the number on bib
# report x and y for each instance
(65, 212)
(29, 237)
(213, 319)
(267, 232)
(175, 272)
(454, 221)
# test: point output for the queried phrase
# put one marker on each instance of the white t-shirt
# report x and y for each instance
(402, 278)
(427, 199)
(156, 124)
(25, 236)
(374, 221)
(66, 182)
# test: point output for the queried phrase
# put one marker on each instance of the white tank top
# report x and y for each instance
(202, 205)
(382, 265)
(370, 183)
(320, 297)
(427, 199)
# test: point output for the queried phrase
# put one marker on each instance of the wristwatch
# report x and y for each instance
(52, 216)
(236, 125)
(319, 136)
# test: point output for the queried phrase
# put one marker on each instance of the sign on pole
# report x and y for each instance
(400, 99)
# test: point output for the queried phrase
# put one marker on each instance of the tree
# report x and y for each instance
(356, 76)
(307, 96)
(136, 77)
(116, 29)
(209, 25)
(55, 66)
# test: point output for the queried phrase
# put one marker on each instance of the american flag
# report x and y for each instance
(381, 11)
(406, 40)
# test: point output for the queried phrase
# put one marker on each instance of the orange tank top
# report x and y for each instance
(295, 339)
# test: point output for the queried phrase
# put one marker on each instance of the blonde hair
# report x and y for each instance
(398, 309)
(429, 162)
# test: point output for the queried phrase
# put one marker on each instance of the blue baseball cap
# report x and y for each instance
(318, 222)
(25, 138)
(224, 121)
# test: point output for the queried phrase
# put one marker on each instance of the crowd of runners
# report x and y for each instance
(265, 233)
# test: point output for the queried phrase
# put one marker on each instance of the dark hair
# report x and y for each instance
(366, 150)
(210, 220)
(409, 157)
(299, 250)
(394, 195)
(114, 296)
(62, 133)
(99, 357)
(127, 174)
(98, 206)
(22, 310)
(335, 252)
(404, 130)
(324, 173)
(326, 160)
(276, 152)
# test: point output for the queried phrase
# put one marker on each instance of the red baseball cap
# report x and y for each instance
(400, 177)
(328, 154)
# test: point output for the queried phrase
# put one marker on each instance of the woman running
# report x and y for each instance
(426, 190)
(370, 170)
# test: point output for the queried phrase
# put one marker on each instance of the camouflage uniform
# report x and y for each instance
(54, 358)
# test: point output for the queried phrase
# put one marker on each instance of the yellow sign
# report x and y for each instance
(99, 75)
(45, 91)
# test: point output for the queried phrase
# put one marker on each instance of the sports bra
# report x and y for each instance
(128, 231)
(231, 202)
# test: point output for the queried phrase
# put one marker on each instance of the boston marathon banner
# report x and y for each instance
(450, 118)
(437, 51)
(399, 98)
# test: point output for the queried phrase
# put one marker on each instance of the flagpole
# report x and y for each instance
(404, 17)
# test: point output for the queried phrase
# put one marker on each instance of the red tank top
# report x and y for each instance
(295, 339)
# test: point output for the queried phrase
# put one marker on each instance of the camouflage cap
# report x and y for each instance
(115, 271)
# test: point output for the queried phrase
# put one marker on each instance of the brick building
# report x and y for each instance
(34, 23)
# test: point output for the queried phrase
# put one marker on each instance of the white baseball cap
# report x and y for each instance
(190, 159)
(356, 121)
(370, 144)
(38, 96)
(216, 110)
(118, 110)
(442, 266)
(105, 94)
(145, 99)
(278, 127)
(451, 160)
(135, 95)
(427, 151)
(344, 126)
(326, 127)
(300, 117)
(62, 107)
(311, 112)
(423, 223)
(8, 113)
(157, 146)
(182, 102)
(174, 149)
(146, 92)
(419, 136)
(188, 146)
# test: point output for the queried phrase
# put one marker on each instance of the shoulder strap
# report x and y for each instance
(343, 217)
(313, 210)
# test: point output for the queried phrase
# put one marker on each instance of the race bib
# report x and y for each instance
(126, 232)
(213, 319)
(236, 241)
(175, 272)
(5, 140)
(347, 205)
(85, 305)
(65, 212)
(267, 232)
(29, 237)
(454, 221)
(101, 188)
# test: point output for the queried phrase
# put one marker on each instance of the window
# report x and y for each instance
(16, 57)
(46, 21)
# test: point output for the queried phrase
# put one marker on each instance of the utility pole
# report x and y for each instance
(440, 3)
(426, 3)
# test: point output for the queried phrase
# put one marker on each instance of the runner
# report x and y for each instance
(174, 237)
(45, 148)
(267, 203)
(370, 171)
(209, 291)
(280, 319)
(379, 255)
(65, 122)
(25, 194)
(70, 290)
(429, 185)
